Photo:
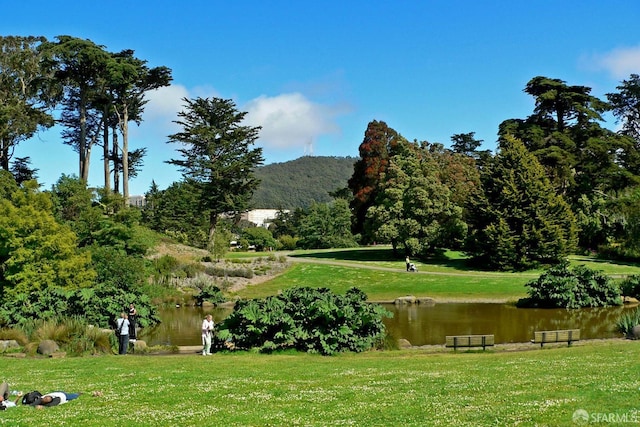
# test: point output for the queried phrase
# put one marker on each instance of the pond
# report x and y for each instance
(425, 324)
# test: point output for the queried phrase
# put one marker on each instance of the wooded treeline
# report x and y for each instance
(298, 183)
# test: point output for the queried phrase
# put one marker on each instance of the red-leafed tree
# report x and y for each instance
(379, 144)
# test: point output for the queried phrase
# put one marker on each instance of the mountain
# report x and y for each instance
(297, 183)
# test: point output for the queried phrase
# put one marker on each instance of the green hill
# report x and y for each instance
(297, 183)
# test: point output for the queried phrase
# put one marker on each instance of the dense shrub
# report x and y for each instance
(630, 286)
(99, 305)
(306, 319)
(208, 292)
(578, 287)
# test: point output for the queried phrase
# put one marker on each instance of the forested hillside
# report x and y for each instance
(297, 183)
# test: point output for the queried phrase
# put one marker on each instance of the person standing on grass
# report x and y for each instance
(408, 262)
(207, 333)
(122, 332)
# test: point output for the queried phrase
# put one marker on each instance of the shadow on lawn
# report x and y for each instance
(386, 255)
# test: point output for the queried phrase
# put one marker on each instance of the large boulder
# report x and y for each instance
(48, 347)
(635, 332)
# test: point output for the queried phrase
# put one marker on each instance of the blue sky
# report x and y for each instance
(314, 74)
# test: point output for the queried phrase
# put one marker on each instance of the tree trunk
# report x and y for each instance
(213, 222)
(4, 156)
(82, 144)
(116, 161)
(125, 155)
(105, 142)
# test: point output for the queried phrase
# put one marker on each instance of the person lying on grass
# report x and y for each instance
(53, 399)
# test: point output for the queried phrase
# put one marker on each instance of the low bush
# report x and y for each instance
(630, 286)
(306, 319)
(577, 287)
(247, 273)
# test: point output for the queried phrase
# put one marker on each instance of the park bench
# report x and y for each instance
(546, 337)
(456, 341)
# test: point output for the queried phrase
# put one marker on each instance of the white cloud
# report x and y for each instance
(620, 62)
(290, 120)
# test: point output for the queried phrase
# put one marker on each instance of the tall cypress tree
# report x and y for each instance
(517, 219)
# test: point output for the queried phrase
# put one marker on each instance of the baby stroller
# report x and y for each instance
(412, 267)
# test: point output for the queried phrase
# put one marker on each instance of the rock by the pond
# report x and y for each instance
(48, 347)
(139, 345)
(7, 344)
(410, 299)
(635, 332)
(403, 343)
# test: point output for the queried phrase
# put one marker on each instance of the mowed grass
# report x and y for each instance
(382, 285)
(383, 277)
(409, 388)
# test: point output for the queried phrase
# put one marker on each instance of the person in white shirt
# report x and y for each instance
(207, 333)
(122, 331)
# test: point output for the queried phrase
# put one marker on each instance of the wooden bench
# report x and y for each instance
(456, 341)
(546, 337)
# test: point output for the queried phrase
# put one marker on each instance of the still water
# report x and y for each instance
(423, 325)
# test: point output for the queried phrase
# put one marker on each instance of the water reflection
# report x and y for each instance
(423, 325)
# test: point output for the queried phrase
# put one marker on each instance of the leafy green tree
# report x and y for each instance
(626, 108)
(565, 135)
(413, 210)
(518, 221)
(326, 225)
(286, 223)
(378, 146)
(260, 237)
(71, 197)
(37, 252)
(23, 106)
(218, 160)
(176, 211)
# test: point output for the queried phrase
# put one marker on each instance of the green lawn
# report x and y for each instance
(393, 388)
(383, 277)
(382, 285)
(399, 388)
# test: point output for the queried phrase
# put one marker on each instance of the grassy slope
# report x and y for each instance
(409, 388)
